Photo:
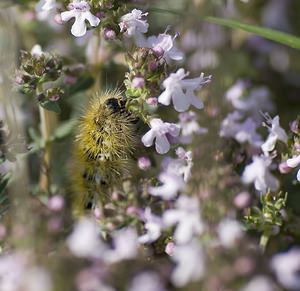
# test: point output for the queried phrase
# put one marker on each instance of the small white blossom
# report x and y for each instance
(258, 172)
(37, 50)
(190, 263)
(80, 10)
(163, 46)
(286, 267)
(125, 243)
(133, 25)
(276, 132)
(171, 185)
(45, 5)
(84, 241)
(153, 226)
(181, 92)
(260, 283)
(187, 217)
(159, 131)
(189, 126)
(146, 281)
(293, 163)
(229, 232)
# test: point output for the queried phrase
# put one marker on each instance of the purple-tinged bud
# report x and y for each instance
(100, 14)
(153, 66)
(56, 203)
(133, 210)
(284, 168)
(144, 163)
(170, 248)
(152, 101)
(97, 213)
(70, 80)
(242, 200)
(138, 82)
(158, 51)
(19, 80)
(294, 126)
(109, 34)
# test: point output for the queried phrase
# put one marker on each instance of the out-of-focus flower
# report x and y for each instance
(84, 241)
(190, 263)
(170, 248)
(36, 279)
(133, 24)
(293, 163)
(242, 131)
(171, 185)
(125, 242)
(181, 92)
(80, 10)
(229, 232)
(159, 131)
(189, 126)
(163, 46)
(187, 217)
(56, 203)
(276, 132)
(286, 267)
(153, 226)
(147, 281)
(45, 5)
(36, 50)
(260, 283)
(242, 200)
(258, 173)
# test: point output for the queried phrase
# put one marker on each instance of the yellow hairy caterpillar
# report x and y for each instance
(103, 148)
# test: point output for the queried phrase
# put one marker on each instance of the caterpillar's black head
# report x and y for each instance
(115, 105)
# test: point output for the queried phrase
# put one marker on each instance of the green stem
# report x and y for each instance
(264, 239)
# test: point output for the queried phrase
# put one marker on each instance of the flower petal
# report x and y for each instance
(293, 162)
(67, 15)
(93, 20)
(162, 144)
(148, 138)
(79, 27)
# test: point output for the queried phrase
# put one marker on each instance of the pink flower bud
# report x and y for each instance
(57, 19)
(170, 248)
(109, 34)
(138, 82)
(144, 163)
(242, 200)
(152, 101)
(284, 168)
(56, 203)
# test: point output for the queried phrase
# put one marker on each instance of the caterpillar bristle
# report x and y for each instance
(103, 147)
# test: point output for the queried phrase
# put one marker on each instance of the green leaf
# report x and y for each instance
(64, 129)
(51, 106)
(277, 36)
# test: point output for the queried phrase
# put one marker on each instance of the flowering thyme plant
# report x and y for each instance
(145, 148)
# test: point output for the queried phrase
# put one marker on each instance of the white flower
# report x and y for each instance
(182, 91)
(293, 163)
(187, 217)
(258, 173)
(37, 50)
(189, 126)
(159, 131)
(229, 232)
(276, 132)
(287, 266)
(45, 5)
(153, 226)
(146, 281)
(84, 241)
(125, 243)
(190, 263)
(172, 184)
(163, 46)
(260, 283)
(133, 25)
(80, 10)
